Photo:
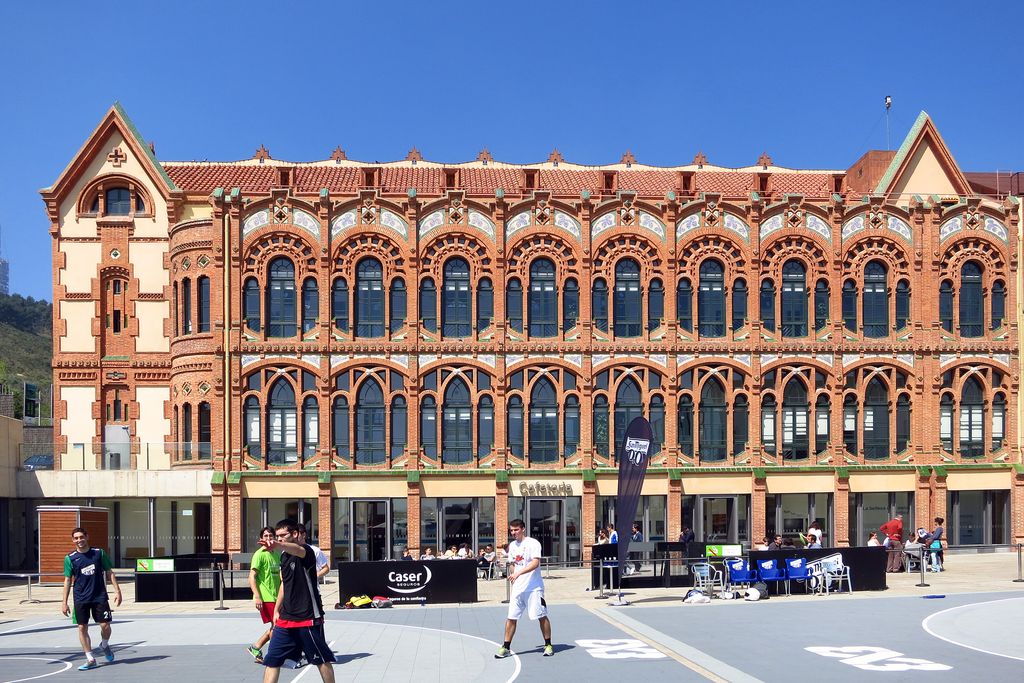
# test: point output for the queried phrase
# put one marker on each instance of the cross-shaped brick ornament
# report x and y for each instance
(117, 157)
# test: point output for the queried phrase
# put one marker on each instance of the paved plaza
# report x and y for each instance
(898, 634)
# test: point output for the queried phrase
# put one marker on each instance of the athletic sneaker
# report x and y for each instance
(107, 652)
(301, 663)
(549, 651)
(89, 664)
(502, 653)
(256, 653)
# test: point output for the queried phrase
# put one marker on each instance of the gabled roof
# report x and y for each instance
(923, 137)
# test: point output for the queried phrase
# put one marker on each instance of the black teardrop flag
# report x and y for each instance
(634, 454)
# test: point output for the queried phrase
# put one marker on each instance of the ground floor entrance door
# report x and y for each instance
(717, 520)
(546, 522)
(371, 529)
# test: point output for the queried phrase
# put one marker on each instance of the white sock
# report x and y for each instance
(89, 656)
(103, 643)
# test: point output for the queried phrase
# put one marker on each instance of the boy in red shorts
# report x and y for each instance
(264, 580)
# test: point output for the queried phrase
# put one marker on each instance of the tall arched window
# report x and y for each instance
(485, 427)
(972, 419)
(484, 304)
(570, 304)
(794, 299)
(998, 421)
(946, 305)
(821, 295)
(428, 305)
(515, 426)
(768, 406)
(281, 299)
(310, 304)
(456, 306)
(339, 427)
(822, 423)
(514, 304)
(253, 435)
(339, 304)
(795, 409)
(627, 407)
(711, 299)
(876, 300)
(768, 305)
(686, 424)
(739, 303)
(251, 304)
(397, 296)
(543, 300)
(599, 304)
(457, 424)
(998, 304)
(876, 421)
(572, 425)
(369, 299)
(850, 424)
(684, 305)
(543, 422)
(203, 285)
(712, 421)
(600, 435)
(628, 308)
(282, 444)
(902, 422)
(850, 305)
(655, 305)
(972, 305)
(186, 430)
(657, 423)
(186, 307)
(399, 426)
(902, 304)
(370, 422)
(740, 424)
(428, 426)
(946, 423)
(310, 426)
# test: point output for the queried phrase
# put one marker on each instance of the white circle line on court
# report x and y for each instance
(37, 623)
(927, 628)
(515, 657)
(67, 665)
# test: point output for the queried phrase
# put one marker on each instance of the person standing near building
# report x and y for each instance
(323, 566)
(264, 580)
(636, 537)
(893, 530)
(527, 594)
(88, 570)
(299, 613)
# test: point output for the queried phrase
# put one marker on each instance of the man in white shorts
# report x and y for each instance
(527, 592)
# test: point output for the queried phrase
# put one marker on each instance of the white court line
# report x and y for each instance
(38, 623)
(67, 665)
(925, 626)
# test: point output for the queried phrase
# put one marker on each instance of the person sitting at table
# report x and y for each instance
(686, 535)
(484, 559)
(873, 540)
(464, 552)
(602, 537)
(501, 557)
(451, 553)
(762, 544)
(787, 544)
(428, 554)
(406, 555)
(776, 543)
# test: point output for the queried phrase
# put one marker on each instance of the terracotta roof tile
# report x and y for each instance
(807, 184)
(205, 178)
(649, 183)
(399, 179)
(334, 178)
(487, 180)
(729, 183)
(569, 181)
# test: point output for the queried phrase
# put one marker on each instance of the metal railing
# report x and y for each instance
(114, 456)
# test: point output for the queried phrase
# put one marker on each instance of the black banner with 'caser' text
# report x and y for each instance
(634, 455)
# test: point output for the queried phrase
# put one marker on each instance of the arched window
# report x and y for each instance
(876, 421)
(902, 422)
(205, 447)
(711, 299)
(310, 304)
(186, 307)
(310, 426)
(740, 424)
(428, 305)
(572, 425)
(713, 422)
(822, 423)
(428, 426)
(768, 406)
(876, 300)
(601, 425)
(399, 426)
(627, 407)
(686, 424)
(339, 304)
(795, 440)
(485, 427)
(946, 423)
(251, 304)
(514, 304)
(684, 305)
(794, 299)
(543, 300)
(282, 444)
(369, 299)
(599, 303)
(281, 299)
(902, 304)
(946, 305)
(628, 308)
(339, 427)
(570, 304)
(484, 304)
(972, 304)
(203, 285)
(739, 304)
(850, 424)
(821, 305)
(998, 304)
(850, 305)
(397, 296)
(972, 419)
(655, 305)
(768, 305)
(186, 430)
(515, 426)
(657, 423)
(456, 302)
(370, 439)
(457, 424)
(253, 430)
(118, 201)
(998, 421)
(543, 422)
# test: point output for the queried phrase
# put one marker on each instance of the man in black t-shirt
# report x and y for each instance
(299, 615)
(88, 569)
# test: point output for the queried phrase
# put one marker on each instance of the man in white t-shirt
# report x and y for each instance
(527, 594)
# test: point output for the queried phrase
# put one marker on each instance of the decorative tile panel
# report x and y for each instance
(905, 358)
(600, 359)
(653, 224)
(311, 358)
(660, 359)
(691, 222)
(946, 358)
(996, 228)
(733, 223)
(489, 359)
(1003, 358)
(343, 222)
(819, 226)
(249, 358)
(603, 223)
(569, 224)
(771, 225)
(434, 220)
(853, 226)
(256, 220)
(684, 358)
(390, 219)
(743, 359)
(482, 223)
(401, 359)
(518, 222)
(899, 226)
(574, 359)
(307, 222)
(427, 358)
(951, 226)
(513, 358)
(850, 358)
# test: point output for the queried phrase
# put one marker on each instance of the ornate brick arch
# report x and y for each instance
(875, 247)
(461, 244)
(542, 243)
(266, 246)
(976, 248)
(717, 246)
(351, 251)
(112, 180)
(786, 247)
(626, 245)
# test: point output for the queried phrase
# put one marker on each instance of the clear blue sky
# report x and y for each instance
(804, 81)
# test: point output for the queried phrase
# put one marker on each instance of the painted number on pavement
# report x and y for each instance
(877, 659)
(624, 648)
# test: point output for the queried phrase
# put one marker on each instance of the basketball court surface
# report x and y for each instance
(834, 638)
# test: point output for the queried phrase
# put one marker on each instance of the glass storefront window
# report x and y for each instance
(485, 521)
(573, 525)
(252, 511)
(516, 508)
(399, 527)
(789, 514)
(428, 525)
(342, 527)
(978, 517)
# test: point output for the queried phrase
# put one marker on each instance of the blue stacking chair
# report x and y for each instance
(797, 570)
(740, 572)
(770, 571)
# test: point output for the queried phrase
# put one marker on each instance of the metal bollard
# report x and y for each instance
(28, 599)
(921, 567)
(600, 582)
(221, 582)
(1020, 570)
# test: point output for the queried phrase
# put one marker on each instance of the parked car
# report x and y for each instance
(38, 462)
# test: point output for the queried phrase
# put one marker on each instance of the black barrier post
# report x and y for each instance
(600, 581)
(1020, 573)
(508, 592)
(220, 570)
(921, 566)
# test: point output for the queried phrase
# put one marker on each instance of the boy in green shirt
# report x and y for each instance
(264, 580)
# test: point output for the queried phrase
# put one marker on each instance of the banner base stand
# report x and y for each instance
(620, 602)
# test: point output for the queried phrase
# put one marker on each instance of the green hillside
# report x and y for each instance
(26, 347)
